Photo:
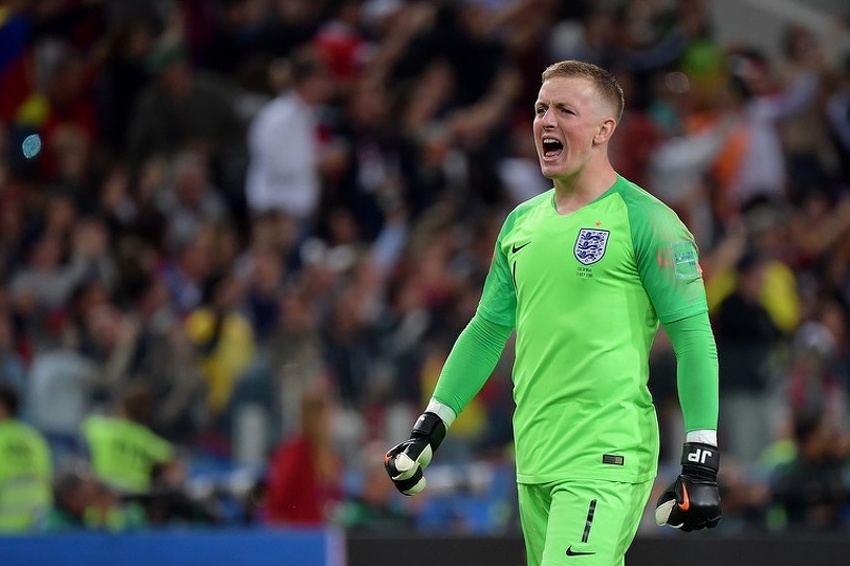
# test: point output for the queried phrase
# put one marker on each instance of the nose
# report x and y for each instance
(547, 119)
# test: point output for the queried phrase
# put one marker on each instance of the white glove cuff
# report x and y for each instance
(445, 412)
(701, 436)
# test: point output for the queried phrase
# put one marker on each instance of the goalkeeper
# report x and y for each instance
(584, 273)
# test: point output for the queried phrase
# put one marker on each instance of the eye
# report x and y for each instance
(540, 110)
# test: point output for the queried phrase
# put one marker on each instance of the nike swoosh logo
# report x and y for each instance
(686, 501)
(517, 248)
(571, 552)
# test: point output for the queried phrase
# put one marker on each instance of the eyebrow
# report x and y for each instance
(558, 105)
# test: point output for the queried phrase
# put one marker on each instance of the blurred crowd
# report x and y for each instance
(243, 235)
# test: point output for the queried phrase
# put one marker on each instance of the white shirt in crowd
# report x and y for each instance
(283, 149)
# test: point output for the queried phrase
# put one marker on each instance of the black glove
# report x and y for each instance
(692, 502)
(406, 460)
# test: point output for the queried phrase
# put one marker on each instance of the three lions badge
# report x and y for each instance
(590, 245)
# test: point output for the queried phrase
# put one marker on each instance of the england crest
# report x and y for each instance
(590, 245)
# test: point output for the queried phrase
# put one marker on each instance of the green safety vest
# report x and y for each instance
(26, 470)
(124, 453)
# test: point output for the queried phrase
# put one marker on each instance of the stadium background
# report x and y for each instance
(280, 345)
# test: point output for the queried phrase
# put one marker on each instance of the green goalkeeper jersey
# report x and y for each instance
(585, 292)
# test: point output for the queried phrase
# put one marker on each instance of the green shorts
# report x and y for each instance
(580, 522)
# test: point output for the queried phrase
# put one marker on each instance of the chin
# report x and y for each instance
(554, 171)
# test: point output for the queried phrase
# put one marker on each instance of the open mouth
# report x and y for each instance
(552, 148)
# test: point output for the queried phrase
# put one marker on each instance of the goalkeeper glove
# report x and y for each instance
(692, 502)
(406, 461)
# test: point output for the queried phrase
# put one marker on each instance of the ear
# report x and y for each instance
(605, 131)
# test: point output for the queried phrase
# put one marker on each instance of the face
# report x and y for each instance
(569, 118)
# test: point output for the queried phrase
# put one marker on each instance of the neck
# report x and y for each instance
(582, 187)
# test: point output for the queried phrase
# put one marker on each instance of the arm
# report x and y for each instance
(696, 375)
(470, 363)
(797, 96)
(692, 502)
(668, 263)
(472, 359)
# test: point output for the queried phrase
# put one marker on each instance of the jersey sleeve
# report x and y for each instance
(479, 346)
(696, 371)
(470, 363)
(498, 297)
(667, 261)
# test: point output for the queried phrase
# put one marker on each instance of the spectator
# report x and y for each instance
(236, 37)
(108, 344)
(12, 370)
(124, 75)
(190, 201)
(42, 292)
(115, 203)
(296, 357)
(223, 340)
(815, 377)
(74, 492)
(591, 38)
(350, 346)
(371, 184)
(60, 390)
(375, 506)
(182, 108)
(290, 25)
(304, 472)
(40, 288)
(81, 503)
(810, 155)
(70, 123)
(164, 360)
(185, 269)
(747, 339)
(341, 42)
(765, 232)
(109, 513)
(265, 283)
(810, 489)
(126, 456)
(25, 470)
(518, 170)
(762, 168)
(838, 113)
(289, 181)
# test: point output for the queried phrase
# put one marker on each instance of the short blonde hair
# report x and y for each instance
(602, 80)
